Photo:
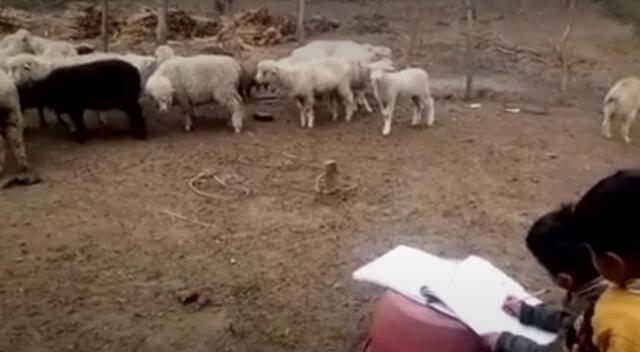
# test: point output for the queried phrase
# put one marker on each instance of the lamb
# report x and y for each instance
(11, 123)
(73, 89)
(198, 80)
(412, 83)
(623, 99)
(304, 81)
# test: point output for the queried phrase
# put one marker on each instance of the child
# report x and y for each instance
(569, 264)
(608, 219)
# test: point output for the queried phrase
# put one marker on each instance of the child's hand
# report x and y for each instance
(512, 306)
(491, 340)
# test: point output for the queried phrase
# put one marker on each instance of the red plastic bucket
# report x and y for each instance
(401, 325)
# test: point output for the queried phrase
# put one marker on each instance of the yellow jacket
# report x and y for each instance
(616, 321)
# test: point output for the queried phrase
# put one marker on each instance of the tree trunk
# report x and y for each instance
(105, 25)
(469, 57)
(301, 12)
(414, 30)
(162, 30)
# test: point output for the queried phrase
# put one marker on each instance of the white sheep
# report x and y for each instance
(412, 83)
(50, 47)
(347, 49)
(306, 80)
(11, 123)
(56, 50)
(198, 80)
(22, 41)
(9, 39)
(362, 54)
(163, 53)
(14, 44)
(623, 99)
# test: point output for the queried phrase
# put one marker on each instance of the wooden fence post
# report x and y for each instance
(105, 25)
(301, 12)
(469, 57)
(414, 30)
(162, 30)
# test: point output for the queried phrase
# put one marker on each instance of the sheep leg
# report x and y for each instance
(609, 113)
(187, 110)
(138, 124)
(236, 106)
(15, 137)
(417, 111)
(626, 126)
(364, 102)
(301, 108)
(333, 105)
(431, 110)
(102, 118)
(349, 102)
(43, 120)
(77, 117)
(388, 116)
(376, 95)
(308, 107)
(62, 121)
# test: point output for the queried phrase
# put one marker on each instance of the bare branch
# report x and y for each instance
(561, 53)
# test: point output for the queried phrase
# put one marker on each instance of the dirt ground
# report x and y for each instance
(100, 255)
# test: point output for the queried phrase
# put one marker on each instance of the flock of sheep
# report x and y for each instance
(40, 73)
(44, 74)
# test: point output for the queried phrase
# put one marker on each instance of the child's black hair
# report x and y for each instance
(607, 217)
(552, 242)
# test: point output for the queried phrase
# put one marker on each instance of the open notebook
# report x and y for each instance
(471, 290)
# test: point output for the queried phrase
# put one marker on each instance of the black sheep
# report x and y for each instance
(29, 101)
(100, 85)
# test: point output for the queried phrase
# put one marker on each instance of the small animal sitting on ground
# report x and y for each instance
(622, 100)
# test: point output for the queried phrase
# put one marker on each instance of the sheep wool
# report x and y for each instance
(198, 80)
